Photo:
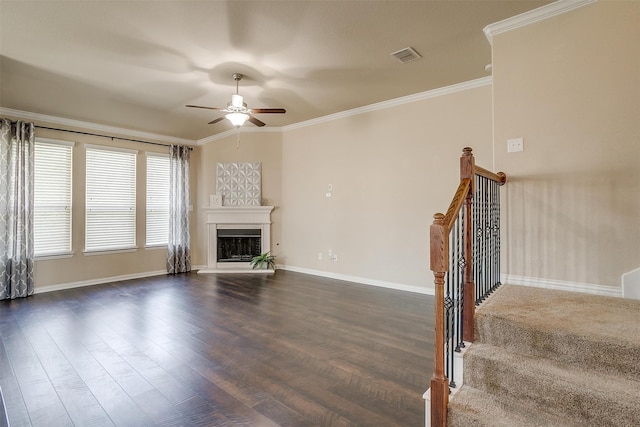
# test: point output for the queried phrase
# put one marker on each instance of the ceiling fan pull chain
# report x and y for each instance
(238, 139)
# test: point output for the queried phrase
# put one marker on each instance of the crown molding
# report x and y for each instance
(26, 115)
(532, 16)
(484, 81)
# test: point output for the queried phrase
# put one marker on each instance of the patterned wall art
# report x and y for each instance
(239, 183)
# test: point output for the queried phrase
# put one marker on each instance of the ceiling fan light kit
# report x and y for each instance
(237, 119)
(237, 111)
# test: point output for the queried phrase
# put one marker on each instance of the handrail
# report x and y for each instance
(458, 199)
(469, 223)
(499, 177)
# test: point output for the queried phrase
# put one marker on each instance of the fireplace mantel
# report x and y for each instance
(239, 215)
(229, 217)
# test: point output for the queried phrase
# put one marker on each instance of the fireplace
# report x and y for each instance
(235, 235)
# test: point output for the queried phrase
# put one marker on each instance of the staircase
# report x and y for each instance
(551, 358)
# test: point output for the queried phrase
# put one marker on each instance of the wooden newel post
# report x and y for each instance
(467, 166)
(439, 251)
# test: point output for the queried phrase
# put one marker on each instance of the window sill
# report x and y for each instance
(109, 251)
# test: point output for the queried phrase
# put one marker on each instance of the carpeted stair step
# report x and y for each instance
(473, 407)
(597, 332)
(550, 387)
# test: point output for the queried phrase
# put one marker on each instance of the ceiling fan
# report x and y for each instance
(237, 111)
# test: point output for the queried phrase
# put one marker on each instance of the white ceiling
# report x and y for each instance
(135, 64)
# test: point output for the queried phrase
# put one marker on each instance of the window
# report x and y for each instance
(52, 197)
(157, 199)
(110, 199)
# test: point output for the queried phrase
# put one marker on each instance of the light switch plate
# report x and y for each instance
(515, 145)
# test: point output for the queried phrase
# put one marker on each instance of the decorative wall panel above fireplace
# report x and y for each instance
(239, 184)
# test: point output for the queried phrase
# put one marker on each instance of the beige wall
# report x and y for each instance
(265, 148)
(391, 170)
(570, 85)
(81, 268)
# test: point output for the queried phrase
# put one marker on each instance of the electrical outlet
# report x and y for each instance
(329, 190)
(515, 145)
(319, 256)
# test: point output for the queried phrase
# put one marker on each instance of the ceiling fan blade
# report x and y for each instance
(219, 119)
(256, 121)
(208, 108)
(268, 110)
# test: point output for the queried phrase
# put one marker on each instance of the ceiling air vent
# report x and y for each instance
(407, 54)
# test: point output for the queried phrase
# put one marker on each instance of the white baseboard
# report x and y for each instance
(561, 285)
(100, 281)
(355, 279)
(361, 280)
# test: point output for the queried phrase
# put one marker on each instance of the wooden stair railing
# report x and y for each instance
(465, 260)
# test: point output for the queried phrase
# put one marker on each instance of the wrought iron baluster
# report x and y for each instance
(475, 208)
(496, 234)
(494, 227)
(452, 319)
(490, 238)
(482, 240)
(481, 235)
(460, 266)
(448, 315)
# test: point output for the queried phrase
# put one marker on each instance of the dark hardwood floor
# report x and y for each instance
(217, 350)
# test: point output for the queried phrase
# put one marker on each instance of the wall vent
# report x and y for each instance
(407, 54)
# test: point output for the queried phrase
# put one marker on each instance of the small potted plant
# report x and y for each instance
(264, 261)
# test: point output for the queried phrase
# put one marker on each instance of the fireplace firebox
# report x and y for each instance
(238, 245)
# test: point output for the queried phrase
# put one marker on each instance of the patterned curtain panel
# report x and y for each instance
(179, 250)
(17, 140)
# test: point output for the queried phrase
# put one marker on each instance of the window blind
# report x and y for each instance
(52, 197)
(110, 199)
(157, 200)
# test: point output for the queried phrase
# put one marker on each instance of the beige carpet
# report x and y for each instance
(551, 358)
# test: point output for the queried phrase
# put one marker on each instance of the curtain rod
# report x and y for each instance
(106, 136)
